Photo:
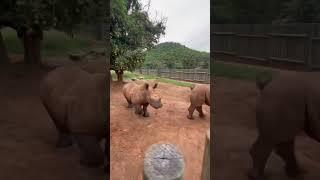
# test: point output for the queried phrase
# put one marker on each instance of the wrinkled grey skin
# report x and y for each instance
(288, 105)
(75, 100)
(200, 95)
(140, 96)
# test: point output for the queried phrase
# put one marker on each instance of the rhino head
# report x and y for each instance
(152, 97)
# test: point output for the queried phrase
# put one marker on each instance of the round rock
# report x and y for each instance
(163, 162)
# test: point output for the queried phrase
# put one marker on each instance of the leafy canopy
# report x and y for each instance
(132, 32)
(47, 14)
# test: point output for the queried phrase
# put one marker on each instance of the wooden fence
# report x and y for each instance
(193, 75)
(288, 45)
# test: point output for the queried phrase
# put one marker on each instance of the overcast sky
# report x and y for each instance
(188, 21)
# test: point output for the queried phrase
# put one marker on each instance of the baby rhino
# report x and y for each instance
(76, 102)
(200, 94)
(138, 95)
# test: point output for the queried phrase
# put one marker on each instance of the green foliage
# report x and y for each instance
(129, 60)
(174, 55)
(131, 33)
(46, 14)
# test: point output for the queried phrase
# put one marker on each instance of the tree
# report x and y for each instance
(31, 18)
(132, 32)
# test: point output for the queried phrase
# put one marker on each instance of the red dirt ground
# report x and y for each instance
(27, 134)
(234, 132)
(131, 134)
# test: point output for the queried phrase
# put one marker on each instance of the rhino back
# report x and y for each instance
(198, 95)
(87, 109)
(281, 107)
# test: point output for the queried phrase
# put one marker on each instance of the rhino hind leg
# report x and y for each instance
(199, 109)
(191, 110)
(286, 152)
(260, 152)
(91, 152)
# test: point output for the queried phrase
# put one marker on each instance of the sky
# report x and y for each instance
(188, 21)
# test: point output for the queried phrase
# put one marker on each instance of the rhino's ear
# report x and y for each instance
(146, 86)
(155, 85)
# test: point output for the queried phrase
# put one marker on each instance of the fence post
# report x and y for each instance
(205, 174)
(163, 161)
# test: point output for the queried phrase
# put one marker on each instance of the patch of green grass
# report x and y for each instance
(175, 82)
(243, 72)
(55, 43)
(130, 75)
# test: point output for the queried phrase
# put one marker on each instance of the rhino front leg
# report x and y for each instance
(138, 109)
(64, 138)
(191, 110)
(260, 152)
(129, 103)
(286, 152)
(199, 109)
(145, 110)
(91, 152)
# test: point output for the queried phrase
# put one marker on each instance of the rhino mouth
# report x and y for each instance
(156, 106)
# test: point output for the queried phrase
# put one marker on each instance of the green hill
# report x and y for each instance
(174, 55)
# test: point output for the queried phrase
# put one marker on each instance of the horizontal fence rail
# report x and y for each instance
(192, 75)
(296, 45)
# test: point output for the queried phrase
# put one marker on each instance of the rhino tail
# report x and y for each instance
(192, 86)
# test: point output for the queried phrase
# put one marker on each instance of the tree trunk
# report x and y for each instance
(4, 59)
(32, 48)
(120, 75)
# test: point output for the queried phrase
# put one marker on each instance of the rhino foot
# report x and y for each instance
(190, 117)
(64, 140)
(91, 152)
(146, 114)
(138, 110)
(294, 172)
(253, 175)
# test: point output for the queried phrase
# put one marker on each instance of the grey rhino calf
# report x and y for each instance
(287, 105)
(141, 94)
(200, 95)
(76, 102)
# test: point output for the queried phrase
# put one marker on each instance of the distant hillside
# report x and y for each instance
(175, 55)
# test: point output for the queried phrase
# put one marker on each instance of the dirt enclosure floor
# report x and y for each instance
(131, 134)
(234, 132)
(28, 136)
